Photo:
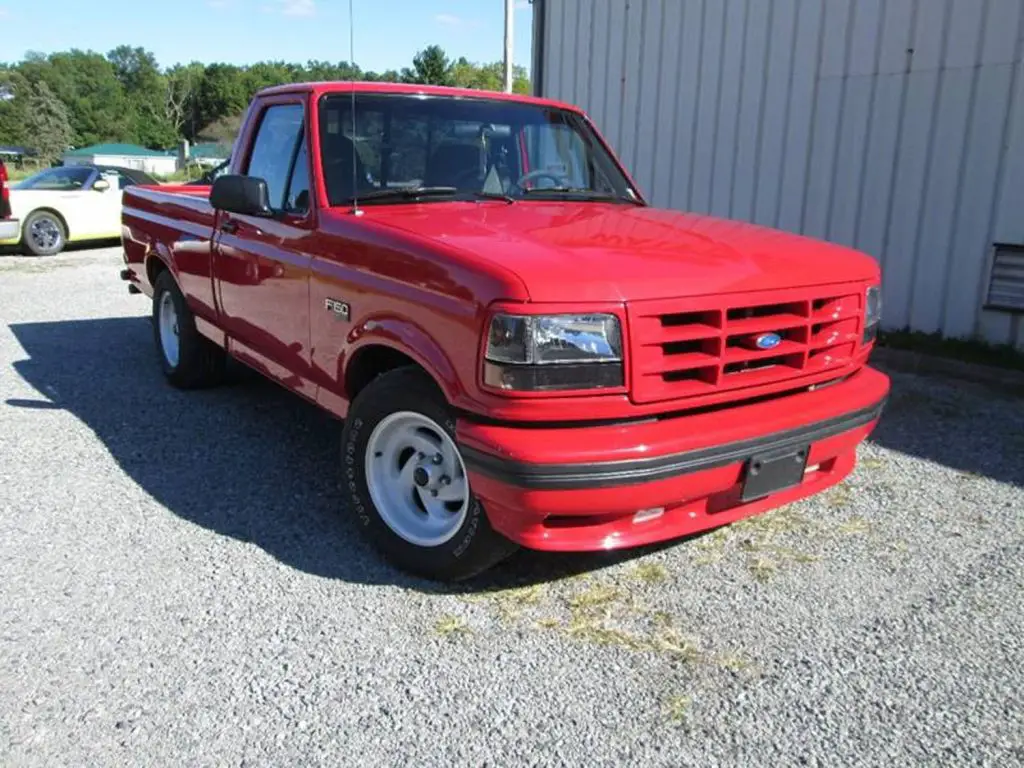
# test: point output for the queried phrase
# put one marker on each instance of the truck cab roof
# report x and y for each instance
(362, 86)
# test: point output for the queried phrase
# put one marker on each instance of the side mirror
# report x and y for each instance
(245, 195)
(101, 185)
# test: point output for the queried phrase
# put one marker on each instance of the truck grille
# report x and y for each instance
(706, 345)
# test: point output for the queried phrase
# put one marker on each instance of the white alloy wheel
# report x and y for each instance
(45, 233)
(416, 478)
(168, 320)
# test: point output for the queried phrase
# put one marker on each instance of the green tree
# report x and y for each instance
(429, 67)
(15, 92)
(181, 98)
(126, 96)
(46, 121)
(223, 92)
(87, 85)
(145, 89)
(488, 77)
(520, 80)
(388, 76)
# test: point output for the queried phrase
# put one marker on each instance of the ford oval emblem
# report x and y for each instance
(768, 341)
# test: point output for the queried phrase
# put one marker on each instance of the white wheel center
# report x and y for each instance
(168, 322)
(416, 478)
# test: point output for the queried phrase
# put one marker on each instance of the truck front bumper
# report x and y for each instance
(584, 488)
(10, 231)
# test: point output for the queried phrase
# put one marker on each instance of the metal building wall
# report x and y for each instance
(894, 126)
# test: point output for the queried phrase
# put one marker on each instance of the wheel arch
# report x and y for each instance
(154, 266)
(383, 345)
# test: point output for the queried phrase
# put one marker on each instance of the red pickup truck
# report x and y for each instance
(523, 351)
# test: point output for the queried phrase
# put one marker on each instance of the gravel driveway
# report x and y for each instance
(177, 587)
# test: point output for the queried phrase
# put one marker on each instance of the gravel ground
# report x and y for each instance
(177, 587)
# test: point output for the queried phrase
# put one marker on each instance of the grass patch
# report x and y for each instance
(511, 602)
(855, 526)
(762, 568)
(678, 708)
(599, 596)
(670, 642)
(966, 350)
(594, 631)
(450, 626)
(652, 573)
(786, 519)
(764, 540)
(734, 662)
(870, 462)
(840, 496)
(661, 619)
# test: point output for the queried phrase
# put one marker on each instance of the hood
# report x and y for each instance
(610, 252)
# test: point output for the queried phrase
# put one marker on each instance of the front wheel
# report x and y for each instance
(407, 483)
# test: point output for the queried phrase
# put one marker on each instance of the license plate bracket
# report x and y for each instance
(774, 471)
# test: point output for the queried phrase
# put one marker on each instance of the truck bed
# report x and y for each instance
(178, 222)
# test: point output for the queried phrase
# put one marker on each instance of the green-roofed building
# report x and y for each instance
(153, 161)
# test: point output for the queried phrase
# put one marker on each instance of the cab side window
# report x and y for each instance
(272, 152)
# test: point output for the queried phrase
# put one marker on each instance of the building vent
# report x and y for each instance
(1006, 281)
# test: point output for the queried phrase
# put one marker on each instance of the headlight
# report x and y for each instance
(553, 352)
(872, 313)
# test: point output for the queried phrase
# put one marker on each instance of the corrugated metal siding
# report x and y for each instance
(894, 126)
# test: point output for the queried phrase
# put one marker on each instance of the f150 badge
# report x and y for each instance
(768, 341)
(340, 309)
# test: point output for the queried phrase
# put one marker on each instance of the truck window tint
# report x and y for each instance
(297, 200)
(560, 150)
(274, 147)
(473, 145)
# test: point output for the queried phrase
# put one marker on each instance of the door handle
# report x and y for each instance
(229, 226)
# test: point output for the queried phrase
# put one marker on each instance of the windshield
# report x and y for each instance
(67, 178)
(461, 146)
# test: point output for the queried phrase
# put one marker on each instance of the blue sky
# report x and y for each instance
(388, 32)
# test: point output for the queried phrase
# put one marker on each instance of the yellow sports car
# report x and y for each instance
(69, 204)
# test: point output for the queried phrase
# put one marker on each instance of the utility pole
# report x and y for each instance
(509, 14)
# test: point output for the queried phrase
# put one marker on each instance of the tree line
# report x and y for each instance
(77, 98)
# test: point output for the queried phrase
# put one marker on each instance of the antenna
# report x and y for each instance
(351, 65)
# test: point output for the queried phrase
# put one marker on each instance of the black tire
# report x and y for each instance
(50, 238)
(200, 363)
(475, 546)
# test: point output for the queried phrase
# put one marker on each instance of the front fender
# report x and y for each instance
(411, 340)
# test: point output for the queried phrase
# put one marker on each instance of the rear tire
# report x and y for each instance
(43, 234)
(188, 359)
(406, 481)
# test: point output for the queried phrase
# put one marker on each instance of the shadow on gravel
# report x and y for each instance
(974, 429)
(250, 461)
(256, 463)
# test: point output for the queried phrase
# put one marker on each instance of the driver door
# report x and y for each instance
(260, 265)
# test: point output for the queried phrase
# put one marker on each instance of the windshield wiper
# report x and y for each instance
(414, 193)
(578, 193)
(405, 193)
(494, 196)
